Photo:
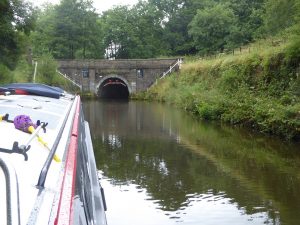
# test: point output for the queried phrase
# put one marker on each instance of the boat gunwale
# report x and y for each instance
(47, 164)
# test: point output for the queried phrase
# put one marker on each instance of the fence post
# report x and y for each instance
(35, 69)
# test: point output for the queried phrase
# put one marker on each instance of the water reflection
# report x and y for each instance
(160, 166)
(113, 141)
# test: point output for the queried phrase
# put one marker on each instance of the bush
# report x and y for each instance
(23, 72)
(230, 80)
(46, 69)
(209, 111)
(5, 75)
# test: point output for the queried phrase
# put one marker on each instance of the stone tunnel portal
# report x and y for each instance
(113, 88)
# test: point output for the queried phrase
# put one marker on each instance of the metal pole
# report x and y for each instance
(35, 68)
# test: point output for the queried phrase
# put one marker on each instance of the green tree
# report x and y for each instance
(211, 28)
(148, 30)
(280, 14)
(133, 33)
(69, 30)
(70, 15)
(16, 22)
(249, 15)
(119, 32)
(293, 50)
(42, 37)
(176, 17)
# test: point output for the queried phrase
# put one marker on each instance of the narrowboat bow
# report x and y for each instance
(48, 172)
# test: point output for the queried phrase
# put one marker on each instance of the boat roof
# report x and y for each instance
(34, 89)
(51, 110)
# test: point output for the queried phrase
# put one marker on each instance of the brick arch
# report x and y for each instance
(112, 76)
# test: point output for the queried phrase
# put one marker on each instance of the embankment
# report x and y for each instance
(260, 90)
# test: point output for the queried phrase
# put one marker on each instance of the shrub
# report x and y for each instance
(46, 69)
(5, 75)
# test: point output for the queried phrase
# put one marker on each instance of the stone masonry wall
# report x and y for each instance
(139, 73)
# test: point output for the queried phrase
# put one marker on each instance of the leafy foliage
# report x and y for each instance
(148, 29)
(16, 21)
(176, 15)
(136, 32)
(249, 18)
(5, 74)
(153, 28)
(69, 30)
(211, 27)
(280, 14)
(46, 69)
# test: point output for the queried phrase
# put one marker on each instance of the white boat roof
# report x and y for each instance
(35, 207)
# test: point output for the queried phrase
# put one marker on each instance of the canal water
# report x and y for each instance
(160, 166)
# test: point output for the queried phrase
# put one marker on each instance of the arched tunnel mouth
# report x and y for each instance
(113, 88)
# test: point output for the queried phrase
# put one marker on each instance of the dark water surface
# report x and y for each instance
(160, 166)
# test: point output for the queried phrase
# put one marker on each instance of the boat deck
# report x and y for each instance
(35, 206)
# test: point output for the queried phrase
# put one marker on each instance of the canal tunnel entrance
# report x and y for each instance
(113, 88)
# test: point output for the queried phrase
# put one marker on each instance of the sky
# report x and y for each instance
(100, 5)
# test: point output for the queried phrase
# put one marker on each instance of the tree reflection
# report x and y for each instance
(169, 172)
(177, 160)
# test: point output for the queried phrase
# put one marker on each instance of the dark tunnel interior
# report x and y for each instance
(113, 88)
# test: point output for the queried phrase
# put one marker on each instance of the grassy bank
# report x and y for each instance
(259, 89)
